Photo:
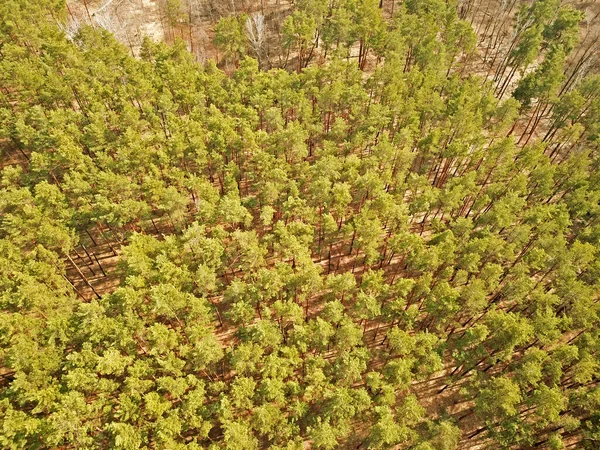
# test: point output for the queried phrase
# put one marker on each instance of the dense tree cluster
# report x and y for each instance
(383, 248)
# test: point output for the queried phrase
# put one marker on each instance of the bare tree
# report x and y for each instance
(104, 19)
(255, 32)
(112, 23)
(103, 7)
(71, 27)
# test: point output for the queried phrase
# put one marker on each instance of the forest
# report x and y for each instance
(374, 224)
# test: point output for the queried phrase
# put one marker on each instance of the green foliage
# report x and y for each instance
(394, 245)
(229, 37)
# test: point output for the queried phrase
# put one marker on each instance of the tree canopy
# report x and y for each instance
(392, 242)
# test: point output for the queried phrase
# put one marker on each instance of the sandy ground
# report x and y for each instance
(129, 20)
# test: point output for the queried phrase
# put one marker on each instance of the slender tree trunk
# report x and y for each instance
(83, 276)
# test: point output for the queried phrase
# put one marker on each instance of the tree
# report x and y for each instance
(230, 39)
(323, 435)
(255, 32)
(498, 400)
(386, 433)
